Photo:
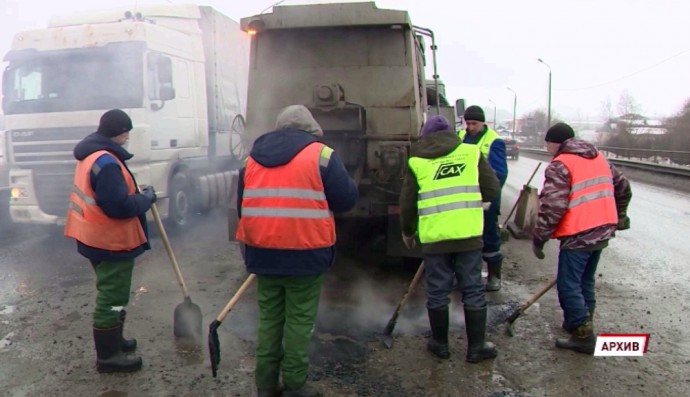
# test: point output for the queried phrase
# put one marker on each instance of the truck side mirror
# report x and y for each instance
(460, 107)
(167, 92)
(164, 66)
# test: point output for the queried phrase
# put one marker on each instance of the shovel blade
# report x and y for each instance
(387, 341)
(214, 346)
(187, 320)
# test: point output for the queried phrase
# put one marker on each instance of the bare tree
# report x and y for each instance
(627, 105)
(607, 109)
(679, 129)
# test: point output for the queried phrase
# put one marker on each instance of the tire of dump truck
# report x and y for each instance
(180, 203)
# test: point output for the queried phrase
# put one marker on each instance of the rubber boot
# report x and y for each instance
(110, 357)
(126, 345)
(582, 339)
(273, 392)
(571, 329)
(475, 326)
(307, 390)
(438, 343)
(493, 283)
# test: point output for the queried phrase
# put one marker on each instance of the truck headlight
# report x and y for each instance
(17, 192)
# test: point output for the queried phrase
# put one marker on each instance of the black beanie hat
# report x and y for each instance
(474, 113)
(114, 122)
(559, 133)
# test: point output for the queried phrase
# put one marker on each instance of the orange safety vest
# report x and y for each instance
(591, 200)
(86, 222)
(285, 207)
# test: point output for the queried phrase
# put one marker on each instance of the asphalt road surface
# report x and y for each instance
(47, 297)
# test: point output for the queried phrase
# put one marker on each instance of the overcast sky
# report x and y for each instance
(597, 49)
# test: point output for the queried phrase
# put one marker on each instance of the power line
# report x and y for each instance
(626, 76)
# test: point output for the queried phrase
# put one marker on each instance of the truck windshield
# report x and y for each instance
(73, 80)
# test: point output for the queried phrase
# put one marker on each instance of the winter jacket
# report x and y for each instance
(554, 201)
(273, 150)
(436, 145)
(111, 193)
(497, 154)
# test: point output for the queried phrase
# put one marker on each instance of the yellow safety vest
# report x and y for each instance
(449, 201)
(485, 142)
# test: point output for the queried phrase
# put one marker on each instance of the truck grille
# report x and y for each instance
(45, 146)
(48, 153)
(53, 190)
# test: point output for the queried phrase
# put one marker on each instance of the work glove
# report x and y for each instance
(149, 193)
(486, 205)
(409, 241)
(623, 222)
(538, 248)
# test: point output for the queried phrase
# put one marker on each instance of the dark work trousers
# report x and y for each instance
(575, 283)
(113, 282)
(466, 267)
(491, 252)
(287, 312)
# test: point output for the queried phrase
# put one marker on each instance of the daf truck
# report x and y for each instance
(361, 72)
(179, 71)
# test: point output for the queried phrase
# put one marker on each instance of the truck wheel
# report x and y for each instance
(238, 140)
(180, 203)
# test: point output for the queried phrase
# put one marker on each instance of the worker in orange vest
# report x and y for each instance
(106, 216)
(583, 202)
(288, 191)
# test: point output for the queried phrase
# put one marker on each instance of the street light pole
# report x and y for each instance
(494, 126)
(514, 109)
(548, 114)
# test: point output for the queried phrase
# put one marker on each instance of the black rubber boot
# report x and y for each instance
(126, 345)
(110, 357)
(475, 326)
(493, 282)
(307, 390)
(571, 329)
(582, 339)
(273, 392)
(438, 343)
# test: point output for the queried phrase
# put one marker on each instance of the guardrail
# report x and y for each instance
(673, 170)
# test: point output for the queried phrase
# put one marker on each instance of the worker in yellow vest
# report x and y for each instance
(441, 204)
(493, 148)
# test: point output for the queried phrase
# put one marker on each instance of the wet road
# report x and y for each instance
(46, 299)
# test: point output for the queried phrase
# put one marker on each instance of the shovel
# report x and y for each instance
(387, 337)
(187, 318)
(213, 342)
(505, 236)
(527, 304)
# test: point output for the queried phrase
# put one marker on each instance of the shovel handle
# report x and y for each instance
(168, 249)
(235, 298)
(532, 299)
(521, 191)
(410, 288)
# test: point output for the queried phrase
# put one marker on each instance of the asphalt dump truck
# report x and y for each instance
(361, 72)
(179, 71)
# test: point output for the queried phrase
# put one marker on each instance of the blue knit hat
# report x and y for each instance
(435, 124)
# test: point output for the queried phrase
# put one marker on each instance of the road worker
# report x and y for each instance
(441, 205)
(493, 148)
(107, 218)
(583, 202)
(287, 193)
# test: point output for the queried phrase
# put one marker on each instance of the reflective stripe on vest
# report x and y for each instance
(86, 222)
(449, 197)
(285, 207)
(485, 142)
(591, 201)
